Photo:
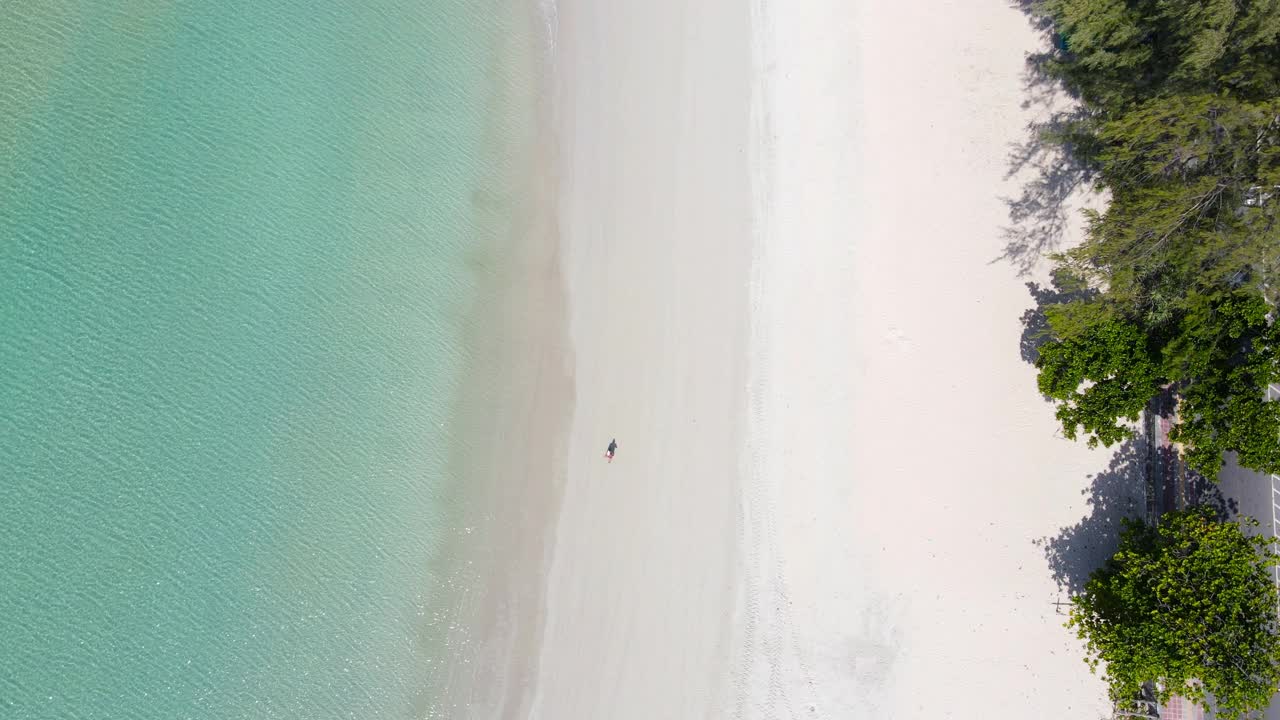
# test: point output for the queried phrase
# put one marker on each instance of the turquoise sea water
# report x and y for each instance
(233, 252)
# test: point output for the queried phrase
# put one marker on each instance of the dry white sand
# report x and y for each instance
(906, 463)
(779, 221)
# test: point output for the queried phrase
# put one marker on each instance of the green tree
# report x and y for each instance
(1220, 356)
(1102, 375)
(1117, 53)
(1189, 604)
(1225, 353)
(1190, 182)
(1182, 129)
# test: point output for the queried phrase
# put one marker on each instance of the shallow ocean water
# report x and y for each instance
(234, 242)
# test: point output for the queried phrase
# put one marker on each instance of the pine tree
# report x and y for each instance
(1181, 126)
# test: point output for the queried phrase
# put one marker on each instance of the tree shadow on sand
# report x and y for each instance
(1035, 322)
(1116, 493)
(1040, 215)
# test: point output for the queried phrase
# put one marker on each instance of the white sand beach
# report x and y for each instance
(779, 222)
(906, 461)
(656, 224)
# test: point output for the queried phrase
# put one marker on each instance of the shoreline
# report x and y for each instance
(514, 403)
(770, 275)
(655, 224)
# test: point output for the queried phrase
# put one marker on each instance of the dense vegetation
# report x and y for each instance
(1174, 290)
(1190, 603)
(1180, 124)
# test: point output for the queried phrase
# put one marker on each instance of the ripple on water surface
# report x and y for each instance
(232, 278)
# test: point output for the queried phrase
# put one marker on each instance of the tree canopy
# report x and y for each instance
(1221, 354)
(1116, 53)
(1181, 126)
(1189, 604)
(1104, 374)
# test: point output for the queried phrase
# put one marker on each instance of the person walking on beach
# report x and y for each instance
(613, 448)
